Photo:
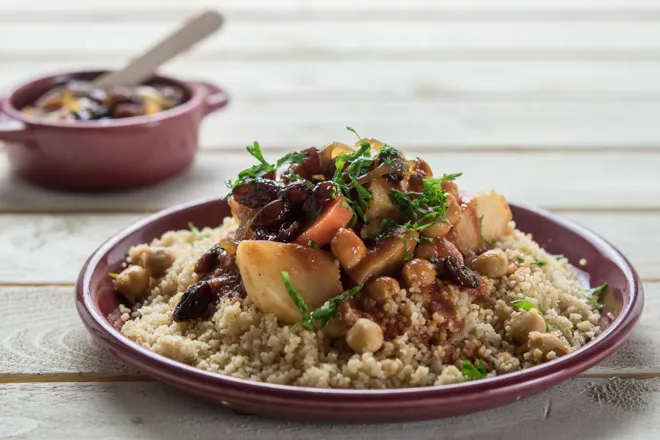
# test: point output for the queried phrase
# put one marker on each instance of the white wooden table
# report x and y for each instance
(554, 103)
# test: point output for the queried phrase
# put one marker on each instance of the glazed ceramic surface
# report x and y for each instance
(97, 304)
(104, 155)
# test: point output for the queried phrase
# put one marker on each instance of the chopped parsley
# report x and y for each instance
(423, 208)
(560, 257)
(450, 176)
(481, 231)
(312, 244)
(595, 295)
(330, 308)
(196, 232)
(527, 305)
(264, 167)
(519, 259)
(113, 275)
(474, 371)
(539, 263)
(323, 314)
(298, 302)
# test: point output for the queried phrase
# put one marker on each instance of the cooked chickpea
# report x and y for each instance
(525, 323)
(450, 187)
(453, 213)
(133, 282)
(492, 263)
(442, 227)
(418, 272)
(382, 288)
(348, 248)
(157, 260)
(365, 336)
(546, 343)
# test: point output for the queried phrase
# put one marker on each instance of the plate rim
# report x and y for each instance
(563, 367)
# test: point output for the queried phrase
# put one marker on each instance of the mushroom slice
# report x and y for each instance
(313, 273)
(385, 257)
(485, 217)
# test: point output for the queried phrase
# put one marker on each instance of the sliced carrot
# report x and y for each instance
(336, 215)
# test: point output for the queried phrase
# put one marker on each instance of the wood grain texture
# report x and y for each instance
(278, 39)
(41, 334)
(609, 180)
(288, 8)
(62, 243)
(348, 80)
(581, 408)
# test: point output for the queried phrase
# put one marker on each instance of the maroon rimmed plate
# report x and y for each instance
(98, 304)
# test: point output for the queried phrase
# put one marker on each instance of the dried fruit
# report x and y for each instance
(453, 270)
(194, 303)
(255, 193)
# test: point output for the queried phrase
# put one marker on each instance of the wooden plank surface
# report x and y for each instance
(555, 180)
(41, 334)
(553, 103)
(606, 409)
(423, 79)
(339, 38)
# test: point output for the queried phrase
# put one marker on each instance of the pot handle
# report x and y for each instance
(11, 129)
(214, 97)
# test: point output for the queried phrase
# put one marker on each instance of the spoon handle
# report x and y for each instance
(143, 67)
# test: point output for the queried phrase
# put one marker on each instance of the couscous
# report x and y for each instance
(354, 267)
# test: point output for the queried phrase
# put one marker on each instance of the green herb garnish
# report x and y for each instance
(595, 294)
(520, 260)
(481, 231)
(113, 275)
(362, 141)
(323, 314)
(559, 257)
(472, 371)
(527, 305)
(264, 167)
(424, 208)
(450, 176)
(539, 263)
(298, 302)
(330, 308)
(312, 244)
(196, 232)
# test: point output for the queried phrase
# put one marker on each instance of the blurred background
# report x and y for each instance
(417, 73)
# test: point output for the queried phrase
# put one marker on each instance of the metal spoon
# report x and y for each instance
(144, 66)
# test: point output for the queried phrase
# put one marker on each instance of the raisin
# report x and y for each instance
(416, 183)
(295, 193)
(272, 215)
(453, 270)
(311, 165)
(288, 231)
(393, 177)
(209, 260)
(322, 194)
(194, 303)
(256, 193)
(127, 110)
